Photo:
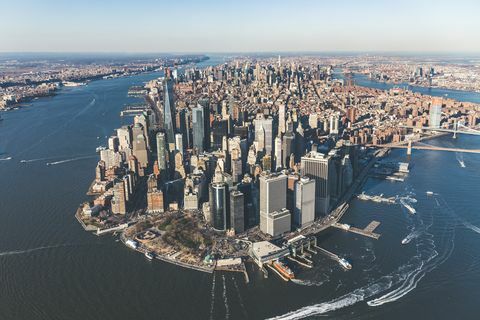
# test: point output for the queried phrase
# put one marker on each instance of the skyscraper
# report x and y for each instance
(179, 142)
(435, 113)
(304, 212)
(198, 128)
(169, 112)
(119, 201)
(274, 217)
(320, 168)
(219, 206)
(205, 103)
(265, 126)
(237, 211)
(281, 118)
(278, 153)
(161, 151)
(140, 146)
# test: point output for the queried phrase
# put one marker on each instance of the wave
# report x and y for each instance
(240, 300)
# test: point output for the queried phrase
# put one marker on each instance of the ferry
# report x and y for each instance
(408, 207)
(344, 263)
(149, 255)
(284, 269)
(429, 193)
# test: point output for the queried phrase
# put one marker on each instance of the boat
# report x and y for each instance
(132, 244)
(429, 193)
(283, 269)
(23, 161)
(406, 240)
(344, 226)
(5, 159)
(395, 178)
(149, 255)
(73, 84)
(100, 148)
(345, 264)
(408, 207)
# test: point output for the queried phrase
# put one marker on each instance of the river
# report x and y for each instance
(52, 269)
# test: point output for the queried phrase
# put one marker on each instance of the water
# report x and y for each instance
(52, 269)
(464, 96)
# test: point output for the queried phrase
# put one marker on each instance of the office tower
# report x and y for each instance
(124, 135)
(179, 142)
(291, 182)
(151, 183)
(278, 153)
(264, 131)
(205, 104)
(219, 206)
(198, 129)
(168, 113)
(320, 168)
(219, 131)
(113, 143)
(100, 171)
(287, 146)
(274, 217)
(334, 124)
(304, 212)
(267, 163)
(161, 151)
(435, 113)
(237, 211)
(184, 126)
(119, 202)
(140, 146)
(313, 120)
(155, 201)
(281, 118)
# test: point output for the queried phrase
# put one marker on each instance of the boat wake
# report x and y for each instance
(17, 252)
(404, 279)
(225, 299)
(309, 283)
(69, 160)
(6, 159)
(460, 160)
(212, 298)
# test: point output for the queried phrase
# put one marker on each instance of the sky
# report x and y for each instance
(239, 26)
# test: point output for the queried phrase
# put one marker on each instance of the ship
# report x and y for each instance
(345, 264)
(408, 207)
(5, 159)
(378, 198)
(283, 269)
(344, 226)
(149, 255)
(406, 240)
(395, 178)
(429, 193)
(73, 84)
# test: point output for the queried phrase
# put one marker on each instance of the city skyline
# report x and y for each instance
(214, 26)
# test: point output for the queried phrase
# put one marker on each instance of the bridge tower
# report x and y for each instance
(409, 149)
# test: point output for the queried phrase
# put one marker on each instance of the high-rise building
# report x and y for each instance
(435, 112)
(281, 118)
(287, 148)
(169, 112)
(161, 151)
(320, 168)
(198, 128)
(273, 203)
(205, 104)
(264, 131)
(179, 142)
(119, 201)
(278, 153)
(237, 211)
(155, 201)
(219, 206)
(140, 146)
(304, 212)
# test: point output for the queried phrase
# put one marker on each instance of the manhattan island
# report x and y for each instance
(249, 160)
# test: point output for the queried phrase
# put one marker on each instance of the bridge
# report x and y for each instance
(410, 146)
(457, 127)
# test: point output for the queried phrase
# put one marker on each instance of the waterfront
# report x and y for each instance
(52, 269)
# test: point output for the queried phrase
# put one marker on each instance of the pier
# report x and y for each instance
(367, 232)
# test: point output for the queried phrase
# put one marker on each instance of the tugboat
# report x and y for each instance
(284, 269)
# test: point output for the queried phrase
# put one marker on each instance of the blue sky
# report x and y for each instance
(236, 26)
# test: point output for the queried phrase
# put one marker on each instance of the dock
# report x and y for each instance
(367, 232)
